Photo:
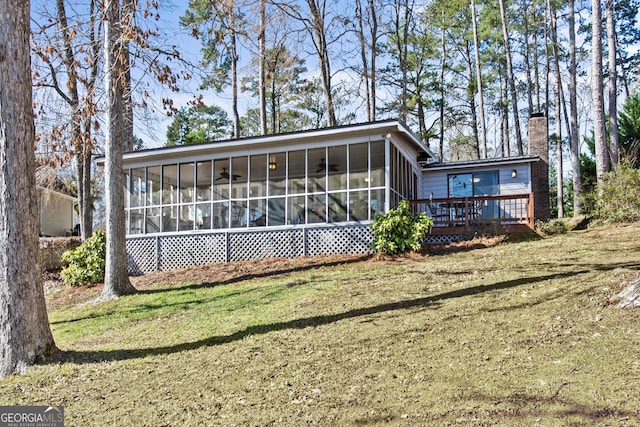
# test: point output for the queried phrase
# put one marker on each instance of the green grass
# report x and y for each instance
(519, 334)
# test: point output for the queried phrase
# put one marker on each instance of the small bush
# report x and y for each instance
(552, 227)
(399, 230)
(619, 200)
(86, 262)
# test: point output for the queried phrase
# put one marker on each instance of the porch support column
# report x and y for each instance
(387, 173)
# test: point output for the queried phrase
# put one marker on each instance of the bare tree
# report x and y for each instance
(116, 279)
(71, 56)
(476, 49)
(261, 67)
(316, 23)
(25, 336)
(602, 153)
(511, 79)
(367, 33)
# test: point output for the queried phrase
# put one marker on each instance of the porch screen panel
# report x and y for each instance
(258, 178)
(358, 166)
(377, 202)
(316, 159)
(137, 187)
(258, 213)
(169, 184)
(169, 198)
(152, 220)
(277, 174)
(337, 206)
(203, 181)
(359, 205)
(297, 172)
(377, 164)
(296, 213)
(316, 208)
(276, 211)
(187, 180)
(153, 186)
(336, 166)
(221, 171)
(239, 177)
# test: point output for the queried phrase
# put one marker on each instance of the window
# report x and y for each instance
(473, 184)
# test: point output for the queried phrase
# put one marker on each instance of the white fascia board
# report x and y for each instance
(479, 164)
(276, 141)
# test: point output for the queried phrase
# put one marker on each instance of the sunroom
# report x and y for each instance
(303, 193)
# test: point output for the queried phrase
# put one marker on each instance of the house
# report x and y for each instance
(303, 193)
(56, 204)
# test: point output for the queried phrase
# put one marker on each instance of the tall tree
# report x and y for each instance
(478, 67)
(614, 150)
(218, 24)
(574, 142)
(25, 336)
(116, 279)
(316, 22)
(262, 41)
(198, 124)
(367, 31)
(601, 150)
(511, 80)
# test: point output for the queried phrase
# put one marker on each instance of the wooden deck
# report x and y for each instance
(453, 215)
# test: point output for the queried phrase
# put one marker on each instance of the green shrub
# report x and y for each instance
(619, 200)
(399, 230)
(86, 262)
(552, 227)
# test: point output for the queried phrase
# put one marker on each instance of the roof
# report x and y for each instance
(481, 162)
(384, 127)
(47, 179)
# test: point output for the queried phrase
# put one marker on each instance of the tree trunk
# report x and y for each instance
(614, 149)
(526, 34)
(511, 80)
(443, 64)
(116, 279)
(363, 58)
(72, 98)
(320, 41)
(574, 143)
(472, 102)
(128, 10)
(25, 336)
(602, 153)
(558, 113)
(261, 65)
(374, 56)
(234, 78)
(476, 48)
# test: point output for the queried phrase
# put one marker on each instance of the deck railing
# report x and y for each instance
(512, 211)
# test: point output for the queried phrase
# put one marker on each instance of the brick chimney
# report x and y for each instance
(539, 146)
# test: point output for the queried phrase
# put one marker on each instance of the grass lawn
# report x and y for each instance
(522, 333)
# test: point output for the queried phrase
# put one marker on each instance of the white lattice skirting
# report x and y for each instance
(167, 252)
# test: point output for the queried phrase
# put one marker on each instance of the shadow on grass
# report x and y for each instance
(556, 407)
(250, 276)
(423, 302)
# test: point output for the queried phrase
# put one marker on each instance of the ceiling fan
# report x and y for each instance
(225, 175)
(323, 165)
